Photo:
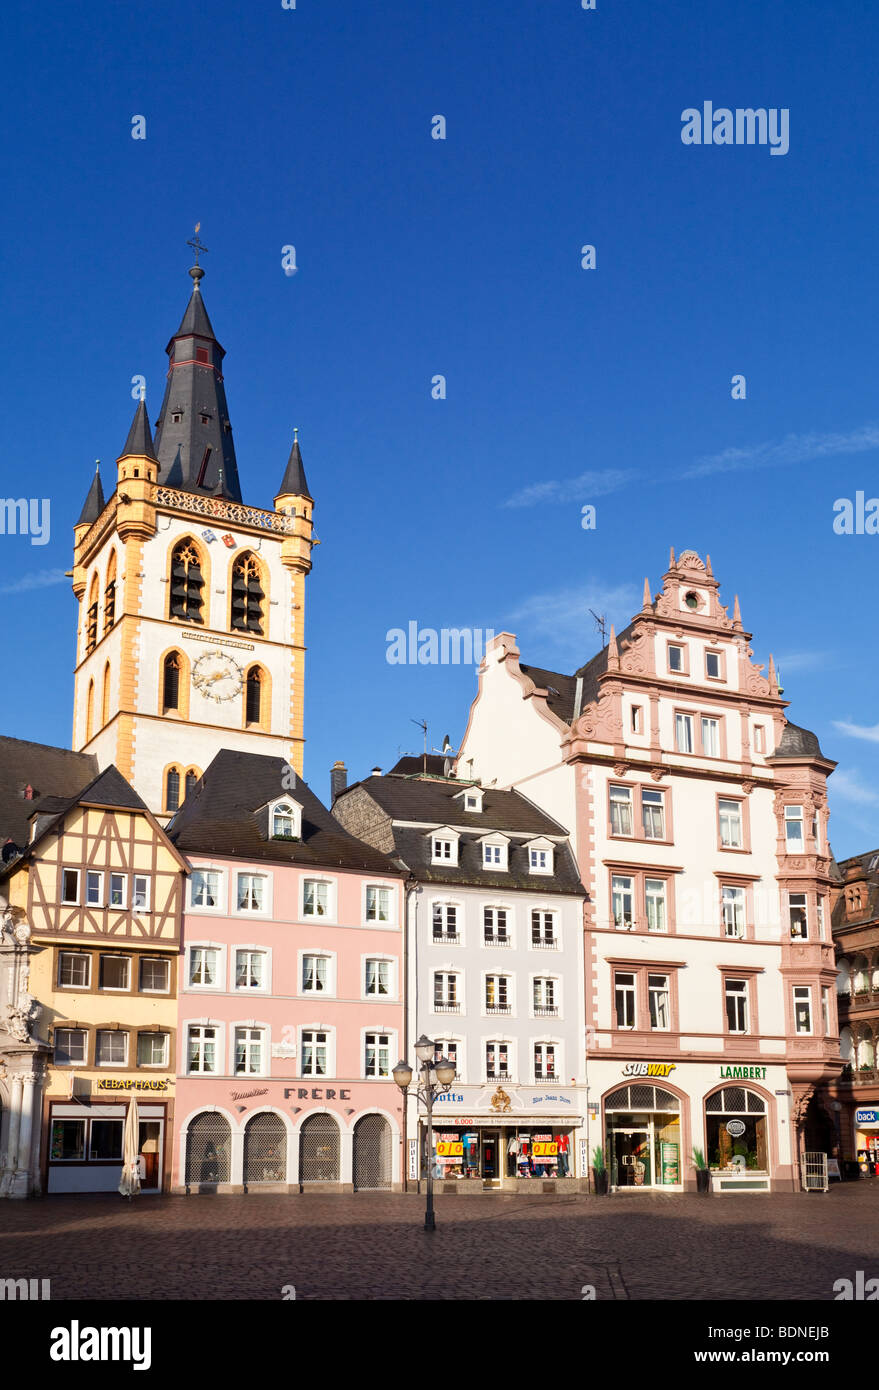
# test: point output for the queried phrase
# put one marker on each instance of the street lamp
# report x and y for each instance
(426, 1091)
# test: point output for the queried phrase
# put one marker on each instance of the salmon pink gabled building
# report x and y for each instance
(290, 1003)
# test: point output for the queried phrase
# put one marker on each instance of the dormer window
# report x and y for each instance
(494, 852)
(285, 819)
(473, 801)
(540, 857)
(444, 847)
(176, 417)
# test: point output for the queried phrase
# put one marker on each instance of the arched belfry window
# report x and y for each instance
(110, 594)
(248, 595)
(90, 711)
(189, 781)
(172, 789)
(253, 696)
(171, 682)
(105, 696)
(187, 583)
(91, 620)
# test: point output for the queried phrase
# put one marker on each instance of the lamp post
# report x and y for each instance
(426, 1091)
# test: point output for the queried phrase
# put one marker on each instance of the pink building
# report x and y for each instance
(290, 997)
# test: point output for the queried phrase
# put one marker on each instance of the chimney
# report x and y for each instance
(28, 792)
(338, 779)
(376, 772)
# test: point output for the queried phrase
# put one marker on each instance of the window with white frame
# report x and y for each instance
(544, 1061)
(713, 665)
(710, 736)
(118, 890)
(540, 861)
(202, 1049)
(637, 719)
(736, 992)
(378, 978)
(445, 992)
(759, 738)
(473, 801)
(494, 856)
(249, 1051)
(675, 658)
(733, 910)
(799, 922)
(620, 810)
(820, 916)
(446, 1047)
(803, 1008)
(251, 895)
(622, 889)
(152, 1049)
(71, 1046)
(659, 1002)
(204, 966)
(497, 1061)
(140, 893)
(624, 999)
(111, 1048)
(543, 928)
(654, 895)
(74, 970)
(70, 885)
(729, 814)
(445, 922)
(315, 898)
(285, 821)
(544, 996)
(315, 974)
(315, 1053)
(155, 975)
(825, 1009)
(379, 903)
(378, 1054)
(94, 888)
(494, 926)
(816, 831)
(497, 994)
(204, 890)
(684, 733)
(653, 813)
(250, 969)
(445, 851)
(793, 828)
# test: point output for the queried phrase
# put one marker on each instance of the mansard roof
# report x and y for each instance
(796, 742)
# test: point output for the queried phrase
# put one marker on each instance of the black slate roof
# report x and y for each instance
(413, 765)
(108, 788)
(139, 440)
(51, 772)
(797, 743)
(91, 508)
(221, 815)
(433, 802)
(414, 848)
(293, 481)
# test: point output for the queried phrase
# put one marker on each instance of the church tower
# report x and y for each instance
(191, 605)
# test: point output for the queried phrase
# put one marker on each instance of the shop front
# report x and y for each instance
(643, 1137)
(85, 1133)
(502, 1139)
(867, 1140)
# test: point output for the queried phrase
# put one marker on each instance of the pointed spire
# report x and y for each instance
(613, 655)
(671, 558)
(139, 440)
(773, 677)
(94, 502)
(708, 569)
(648, 601)
(294, 484)
(737, 613)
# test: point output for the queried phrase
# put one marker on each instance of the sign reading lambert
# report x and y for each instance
(743, 1073)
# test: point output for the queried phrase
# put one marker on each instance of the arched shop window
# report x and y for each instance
(643, 1137)
(736, 1131)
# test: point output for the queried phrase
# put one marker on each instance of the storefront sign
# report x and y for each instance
(735, 1127)
(106, 1083)
(542, 1100)
(743, 1073)
(649, 1068)
(867, 1117)
(541, 1149)
(448, 1098)
(316, 1093)
(449, 1149)
(248, 1095)
(671, 1168)
(413, 1158)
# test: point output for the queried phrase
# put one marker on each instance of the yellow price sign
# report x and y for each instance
(446, 1149)
(545, 1150)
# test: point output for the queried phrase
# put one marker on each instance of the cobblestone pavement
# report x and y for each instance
(372, 1246)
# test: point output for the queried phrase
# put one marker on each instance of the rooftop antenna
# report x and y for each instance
(601, 624)
(422, 724)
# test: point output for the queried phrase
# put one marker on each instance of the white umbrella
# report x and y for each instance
(130, 1182)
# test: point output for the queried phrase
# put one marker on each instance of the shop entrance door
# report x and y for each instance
(631, 1155)
(491, 1157)
(149, 1148)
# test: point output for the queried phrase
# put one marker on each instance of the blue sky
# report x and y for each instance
(461, 257)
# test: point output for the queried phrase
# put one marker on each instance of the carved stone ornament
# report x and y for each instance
(20, 1018)
(657, 773)
(620, 769)
(747, 786)
(22, 933)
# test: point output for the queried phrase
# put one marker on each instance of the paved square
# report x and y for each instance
(629, 1246)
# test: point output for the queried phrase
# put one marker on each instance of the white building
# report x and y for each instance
(699, 815)
(495, 974)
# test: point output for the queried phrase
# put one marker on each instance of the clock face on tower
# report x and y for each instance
(217, 676)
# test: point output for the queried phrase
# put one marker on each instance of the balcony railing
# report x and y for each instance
(497, 940)
(447, 936)
(546, 1010)
(540, 944)
(444, 1006)
(498, 1008)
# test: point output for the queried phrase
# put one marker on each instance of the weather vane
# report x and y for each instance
(195, 243)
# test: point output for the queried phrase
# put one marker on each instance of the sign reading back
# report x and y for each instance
(867, 1117)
